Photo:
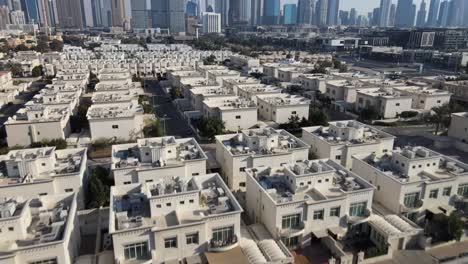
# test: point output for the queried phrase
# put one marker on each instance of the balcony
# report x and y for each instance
(411, 208)
(293, 231)
(223, 245)
(358, 219)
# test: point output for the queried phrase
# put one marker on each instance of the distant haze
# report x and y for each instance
(363, 6)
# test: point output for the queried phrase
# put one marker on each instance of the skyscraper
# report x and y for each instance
(421, 18)
(384, 15)
(391, 19)
(321, 11)
(332, 12)
(305, 11)
(375, 16)
(31, 11)
(433, 13)
(271, 12)
(139, 14)
(86, 6)
(404, 17)
(4, 17)
(245, 10)
(118, 12)
(211, 22)
(290, 14)
(457, 13)
(176, 16)
(352, 17)
(222, 7)
(444, 14)
(70, 14)
(17, 17)
(256, 12)
(344, 17)
(160, 13)
(97, 13)
(234, 12)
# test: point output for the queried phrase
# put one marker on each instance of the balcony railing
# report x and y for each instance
(405, 208)
(293, 231)
(357, 219)
(223, 245)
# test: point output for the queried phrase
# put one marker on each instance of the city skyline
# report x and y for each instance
(363, 6)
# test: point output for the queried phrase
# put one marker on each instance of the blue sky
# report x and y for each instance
(363, 6)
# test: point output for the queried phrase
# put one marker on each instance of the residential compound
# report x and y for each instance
(256, 147)
(459, 127)
(44, 171)
(414, 181)
(236, 113)
(281, 108)
(47, 116)
(9, 89)
(151, 158)
(43, 229)
(341, 140)
(173, 218)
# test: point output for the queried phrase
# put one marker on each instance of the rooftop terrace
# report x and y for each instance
(285, 99)
(101, 111)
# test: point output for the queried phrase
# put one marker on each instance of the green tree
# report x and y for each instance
(99, 188)
(15, 69)
(369, 114)
(21, 47)
(210, 60)
(153, 129)
(42, 44)
(37, 71)
(58, 143)
(210, 127)
(56, 45)
(455, 226)
(294, 122)
(440, 116)
(318, 118)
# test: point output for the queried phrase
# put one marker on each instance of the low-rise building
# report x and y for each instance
(253, 148)
(280, 108)
(314, 82)
(236, 113)
(300, 201)
(200, 94)
(35, 123)
(117, 121)
(388, 102)
(414, 181)
(39, 230)
(251, 91)
(218, 76)
(235, 82)
(150, 158)
(173, 218)
(425, 98)
(44, 171)
(459, 127)
(343, 139)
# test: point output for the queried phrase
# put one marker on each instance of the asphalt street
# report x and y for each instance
(170, 117)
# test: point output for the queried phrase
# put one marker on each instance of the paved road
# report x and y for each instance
(175, 124)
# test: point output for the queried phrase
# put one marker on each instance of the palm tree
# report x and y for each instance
(441, 113)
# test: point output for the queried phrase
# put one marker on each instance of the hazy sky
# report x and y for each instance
(363, 6)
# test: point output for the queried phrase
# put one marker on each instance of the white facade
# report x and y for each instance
(425, 98)
(252, 91)
(235, 112)
(171, 219)
(150, 158)
(387, 102)
(44, 171)
(459, 127)
(314, 82)
(280, 108)
(253, 148)
(211, 22)
(301, 199)
(39, 230)
(415, 180)
(343, 139)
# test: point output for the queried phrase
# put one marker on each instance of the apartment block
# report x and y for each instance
(304, 199)
(388, 102)
(116, 120)
(39, 230)
(44, 171)
(150, 158)
(459, 127)
(173, 218)
(280, 108)
(340, 140)
(415, 182)
(35, 123)
(253, 148)
(236, 113)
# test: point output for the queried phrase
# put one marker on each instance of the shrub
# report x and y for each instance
(408, 114)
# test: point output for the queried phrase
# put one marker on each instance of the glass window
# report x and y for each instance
(318, 215)
(291, 221)
(136, 251)
(411, 199)
(223, 234)
(290, 241)
(335, 211)
(192, 238)
(357, 209)
(463, 190)
(446, 191)
(45, 261)
(434, 193)
(170, 242)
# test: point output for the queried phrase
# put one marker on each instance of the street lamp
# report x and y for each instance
(164, 124)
